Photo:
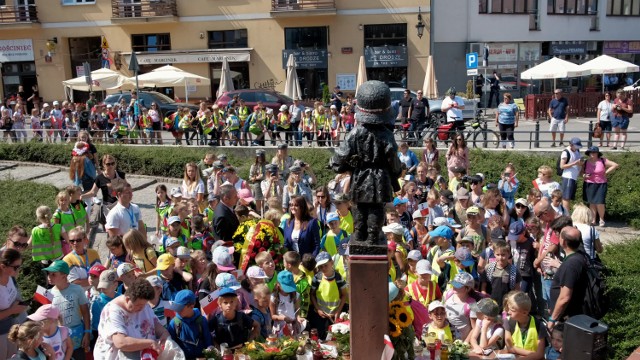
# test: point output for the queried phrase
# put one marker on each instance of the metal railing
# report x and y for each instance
(10, 14)
(580, 104)
(535, 139)
(302, 5)
(143, 8)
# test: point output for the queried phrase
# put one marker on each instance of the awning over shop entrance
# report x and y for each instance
(190, 56)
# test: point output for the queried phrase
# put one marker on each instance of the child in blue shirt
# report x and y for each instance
(107, 286)
(189, 329)
(554, 350)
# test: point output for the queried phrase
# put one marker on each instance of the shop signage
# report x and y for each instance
(503, 52)
(16, 50)
(347, 50)
(306, 59)
(385, 56)
(568, 49)
(184, 58)
(621, 47)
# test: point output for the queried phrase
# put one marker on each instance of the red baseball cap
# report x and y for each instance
(97, 269)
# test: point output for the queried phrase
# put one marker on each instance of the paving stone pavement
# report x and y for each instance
(145, 197)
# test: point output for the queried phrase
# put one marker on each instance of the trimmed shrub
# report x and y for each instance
(169, 161)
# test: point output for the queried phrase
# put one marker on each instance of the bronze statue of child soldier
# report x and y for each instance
(370, 152)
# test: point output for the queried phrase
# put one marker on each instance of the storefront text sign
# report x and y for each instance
(306, 59)
(184, 58)
(568, 49)
(503, 52)
(385, 56)
(621, 47)
(16, 50)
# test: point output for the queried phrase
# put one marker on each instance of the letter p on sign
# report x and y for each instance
(472, 60)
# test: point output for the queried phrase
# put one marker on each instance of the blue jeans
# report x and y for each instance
(546, 290)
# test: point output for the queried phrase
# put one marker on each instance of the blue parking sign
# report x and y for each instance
(472, 60)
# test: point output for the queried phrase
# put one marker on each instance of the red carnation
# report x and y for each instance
(262, 249)
(257, 244)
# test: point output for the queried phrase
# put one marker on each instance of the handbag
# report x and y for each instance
(597, 132)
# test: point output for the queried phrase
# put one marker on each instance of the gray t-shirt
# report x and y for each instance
(68, 301)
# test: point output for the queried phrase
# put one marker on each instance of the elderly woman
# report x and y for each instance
(594, 189)
(129, 326)
(302, 231)
(80, 259)
(408, 158)
(507, 118)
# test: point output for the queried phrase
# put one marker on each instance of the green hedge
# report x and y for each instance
(20, 200)
(623, 265)
(168, 161)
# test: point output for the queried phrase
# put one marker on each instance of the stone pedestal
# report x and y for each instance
(368, 304)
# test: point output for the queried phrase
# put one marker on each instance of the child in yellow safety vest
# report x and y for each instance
(530, 343)
(308, 126)
(331, 240)
(439, 327)
(322, 125)
(78, 207)
(424, 290)
(412, 260)
(64, 215)
(441, 256)
(328, 294)
(233, 127)
(47, 238)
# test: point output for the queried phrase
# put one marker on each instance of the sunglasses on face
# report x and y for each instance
(73, 241)
(19, 244)
(520, 206)
(109, 164)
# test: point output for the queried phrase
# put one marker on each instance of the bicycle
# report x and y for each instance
(479, 135)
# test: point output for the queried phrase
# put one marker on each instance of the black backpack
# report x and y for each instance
(559, 170)
(596, 301)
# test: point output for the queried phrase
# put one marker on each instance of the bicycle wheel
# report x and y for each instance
(486, 139)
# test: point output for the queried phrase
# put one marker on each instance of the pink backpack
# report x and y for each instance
(420, 315)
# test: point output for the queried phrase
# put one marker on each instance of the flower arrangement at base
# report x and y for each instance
(211, 353)
(283, 349)
(401, 330)
(459, 350)
(341, 333)
(262, 236)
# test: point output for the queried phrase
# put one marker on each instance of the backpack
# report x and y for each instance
(596, 301)
(177, 324)
(89, 169)
(559, 170)
(512, 273)
(467, 303)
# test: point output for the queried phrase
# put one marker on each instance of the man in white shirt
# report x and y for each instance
(453, 106)
(125, 215)
(570, 163)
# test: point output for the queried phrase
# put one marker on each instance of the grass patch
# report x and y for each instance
(21, 199)
(168, 161)
(623, 264)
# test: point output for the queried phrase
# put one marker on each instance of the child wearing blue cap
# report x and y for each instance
(229, 325)
(328, 294)
(330, 242)
(441, 255)
(189, 329)
(285, 306)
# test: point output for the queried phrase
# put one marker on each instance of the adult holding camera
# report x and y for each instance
(622, 111)
(272, 185)
(337, 97)
(604, 115)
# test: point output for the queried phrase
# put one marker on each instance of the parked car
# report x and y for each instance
(166, 104)
(435, 105)
(634, 86)
(270, 98)
(508, 83)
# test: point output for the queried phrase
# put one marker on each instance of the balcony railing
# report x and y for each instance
(21, 14)
(302, 5)
(125, 9)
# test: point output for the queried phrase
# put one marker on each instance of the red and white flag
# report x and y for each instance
(424, 209)
(170, 310)
(43, 296)
(387, 353)
(209, 304)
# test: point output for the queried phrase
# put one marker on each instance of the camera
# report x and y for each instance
(302, 164)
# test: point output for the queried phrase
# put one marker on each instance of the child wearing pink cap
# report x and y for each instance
(54, 335)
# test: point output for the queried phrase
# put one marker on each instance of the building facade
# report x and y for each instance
(522, 33)
(43, 42)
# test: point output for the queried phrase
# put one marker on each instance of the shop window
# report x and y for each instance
(572, 7)
(508, 6)
(623, 7)
(75, 2)
(228, 39)
(385, 34)
(150, 42)
(305, 38)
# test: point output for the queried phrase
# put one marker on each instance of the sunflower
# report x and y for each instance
(394, 329)
(393, 307)
(403, 318)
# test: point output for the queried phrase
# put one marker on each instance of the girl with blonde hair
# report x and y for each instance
(47, 238)
(28, 337)
(140, 251)
(192, 185)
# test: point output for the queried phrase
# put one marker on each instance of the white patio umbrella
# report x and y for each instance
(292, 84)
(168, 76)
(430, 86)
(554, 68)
(362, 74)
(101, 79)
(605, 64)
(226, 82)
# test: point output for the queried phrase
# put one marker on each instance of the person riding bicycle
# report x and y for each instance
(453, 106)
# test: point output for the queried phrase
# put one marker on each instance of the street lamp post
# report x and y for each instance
(420, 25)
